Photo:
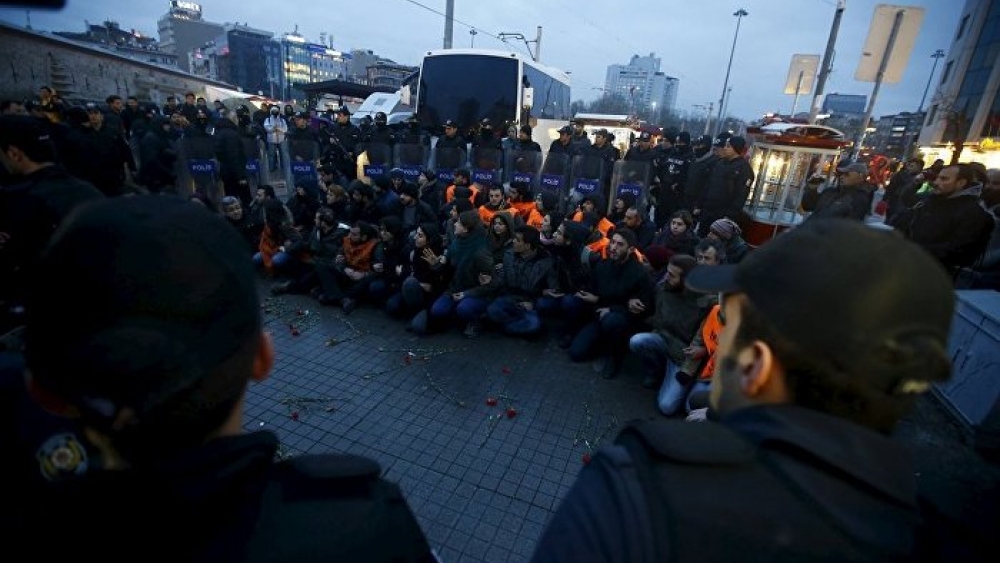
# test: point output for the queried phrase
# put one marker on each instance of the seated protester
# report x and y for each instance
(593, 203)
(348, 278)
(572, 264)
(303, 206)
(411, 211)
(233, 210)
(431, 191)
(729, 234)
(678, 313)
(547, 229)
(362, 206)
(388, 261)
(455, 210)
(597, 241)
(527, 271)
(546, 203)
(319, 249)
(522, 202)
(620, 294)
(710, 252)
(500, 237)
(620, 206)
(336, 200)
(678, 236)
(463, 178)
(639, 224)
(695, 374)
(135, 409)
(385, 198)
(473, 279)
(422, 281)
(276, 237)
(496, 201)
(657, 259)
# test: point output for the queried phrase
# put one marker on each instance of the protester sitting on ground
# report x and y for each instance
(597, 241)
(621, 203)
(277, 236)
(810, 381)
(500, 236)
(387, 263)
(522, 202)
(678, 235)
(473, 278)
(134, 410)
(422, 281)
(593, 204)
(710, 252)
(727, 232)
(232, 208)
(527, 271)
(547, 228)
(546, 203)
(462, 179)
(635, 221)
(303, 206)
(572, 264)
(348, 279)
(362, 206)
(318, 249)
(496, 202)
(411, 211)
(674, 322)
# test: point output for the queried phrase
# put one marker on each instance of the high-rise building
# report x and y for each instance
(183, 30)
(247, 58)
(965, 107)
(303, 62)
(643, 85)
(845, 106)
(894, 134)
(129, 43)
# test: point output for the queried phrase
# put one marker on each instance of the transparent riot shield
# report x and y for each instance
(446, 161)
(587, 177)
(411, 159)
(631, 177)
(255, 161)
(201, 167)
(304, 155)
(523, 166)
(554, 176)
(374, 160)
(486, 164)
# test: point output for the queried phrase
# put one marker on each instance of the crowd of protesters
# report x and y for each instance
(606, 280)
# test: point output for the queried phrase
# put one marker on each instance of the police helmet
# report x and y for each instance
(380, 118)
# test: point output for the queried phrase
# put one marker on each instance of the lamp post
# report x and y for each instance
(740, 14)
(472, 41)
(937, 55)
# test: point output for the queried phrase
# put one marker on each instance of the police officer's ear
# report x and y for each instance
(263, 360)
(762, 378)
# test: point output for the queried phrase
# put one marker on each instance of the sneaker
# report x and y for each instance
(348, 305)
(471, 330)
(610, 368)
(281, 288)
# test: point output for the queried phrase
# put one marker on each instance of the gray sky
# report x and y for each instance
(692, 38)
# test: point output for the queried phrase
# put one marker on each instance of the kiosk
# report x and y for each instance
(783, 158)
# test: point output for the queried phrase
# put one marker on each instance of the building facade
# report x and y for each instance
(895, 135)
(643, 85)
(303, 62)
(247, 58)
(183, 30)
(128, 43)
(965, 108)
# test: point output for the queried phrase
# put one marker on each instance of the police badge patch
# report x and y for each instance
(62, 456)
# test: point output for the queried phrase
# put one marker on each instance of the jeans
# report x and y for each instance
(651, 349)
(604, 336)
(468, 309)
(673, 395)
(514, 319)
(408, 299)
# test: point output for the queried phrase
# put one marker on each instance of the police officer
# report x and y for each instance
(795, 462)
(133, 412)
(344, 139)
(673, 170)
(380, 132)
(727, 186)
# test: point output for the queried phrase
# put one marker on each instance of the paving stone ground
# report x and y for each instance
(482, 484)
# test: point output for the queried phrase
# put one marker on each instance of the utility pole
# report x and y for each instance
(538, 45)
(896, 22)
(827, 64)
(936, 56)
(740, 14)
(449, 22)
(472, 42)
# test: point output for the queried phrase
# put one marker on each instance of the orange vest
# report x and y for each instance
(524, 210)
(600, 246)
(710, 330)
(487, 214)
(603, 225)
(449, 193)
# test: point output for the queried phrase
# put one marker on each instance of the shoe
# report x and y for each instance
(348, 305)
(650, 381)
(281, 288)
(471, 330)
(610, 368)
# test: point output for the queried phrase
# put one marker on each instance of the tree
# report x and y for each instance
(956, 124)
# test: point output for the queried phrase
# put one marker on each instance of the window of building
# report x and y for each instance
(947, 72)
(962, 26)
(931, 115)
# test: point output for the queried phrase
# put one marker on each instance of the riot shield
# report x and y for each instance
(587, 174)
(374, 160)
(554, 177)
(631, 177)
(201, 167)
(411, 159)
(255, 161)
(304, 154)
(446, 161)
(523, 166)
(486, 163)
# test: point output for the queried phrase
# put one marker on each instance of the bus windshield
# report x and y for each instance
(468, 88)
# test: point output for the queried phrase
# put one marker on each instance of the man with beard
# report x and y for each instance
(797, 447)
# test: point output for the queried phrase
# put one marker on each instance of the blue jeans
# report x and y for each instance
(514, 319)
(467, 309)
(673, 395)
(651, 349)
(601, 337)
(408, 299)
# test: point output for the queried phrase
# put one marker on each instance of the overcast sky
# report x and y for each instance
(692, 38)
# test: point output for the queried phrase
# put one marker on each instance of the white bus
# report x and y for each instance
(467, 85)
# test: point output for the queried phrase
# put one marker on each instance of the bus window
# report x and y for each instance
(467, 88)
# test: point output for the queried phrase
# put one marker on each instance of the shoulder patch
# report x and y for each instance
(61, 456)
(704, 442)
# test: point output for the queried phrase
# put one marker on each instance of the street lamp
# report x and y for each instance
(937, 55)
(725, 85)
(472, 41)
